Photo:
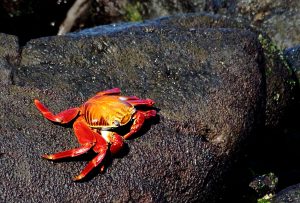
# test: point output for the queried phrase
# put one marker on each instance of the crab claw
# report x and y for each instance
(139, 118)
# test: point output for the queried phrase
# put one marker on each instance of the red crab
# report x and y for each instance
(95, 121)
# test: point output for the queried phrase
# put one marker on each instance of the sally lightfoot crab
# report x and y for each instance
(95, 122)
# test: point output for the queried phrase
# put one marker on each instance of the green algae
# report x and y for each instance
(133, 12)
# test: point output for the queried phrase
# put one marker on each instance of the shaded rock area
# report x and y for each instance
(281, 86)
(209, 83)
(290, 194)
(293, 58)
(33, 18)
(264, 184)
(279, 19)
(9, 58)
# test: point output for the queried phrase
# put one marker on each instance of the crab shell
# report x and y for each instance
(107, 112)
(95, 121)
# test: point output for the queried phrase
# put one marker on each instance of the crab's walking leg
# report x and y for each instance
(86, 138)
(139, 118)
(109, 92)
(100, 148)
(141, 102)
(69, 153)
(62, 117)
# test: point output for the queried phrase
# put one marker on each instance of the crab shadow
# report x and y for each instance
(108, 160)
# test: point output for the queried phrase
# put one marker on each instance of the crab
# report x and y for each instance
(95, 124)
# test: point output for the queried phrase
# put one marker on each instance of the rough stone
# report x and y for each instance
(292, 56)
(209, 87)
(281, 87)
(289, 194)
(279, 19)
(9, 58)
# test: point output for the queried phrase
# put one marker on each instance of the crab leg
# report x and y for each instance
(126, 98)
(62, 117)
(100, 148)
(139, 118)
(69, 153)
(116, 145)
(140, 102)
(86, 137)
(109, 92)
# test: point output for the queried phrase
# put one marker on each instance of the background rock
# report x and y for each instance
(279, 19)
(32, 18)
(293, 58)
(281, 84)
(207, 82)
(290, 194)
(9, 58)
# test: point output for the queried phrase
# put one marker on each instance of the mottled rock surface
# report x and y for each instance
(279, 19)
(209, 86)
(293, 58)
(290, 194)
(281, 83)
(33, 18)
(9, 57)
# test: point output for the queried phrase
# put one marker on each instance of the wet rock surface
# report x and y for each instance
(293, 58)
(9, 58)
(279, 19)
(290, 194)
(281, 86)
(279, 78)
(32, 18)
(209, 86)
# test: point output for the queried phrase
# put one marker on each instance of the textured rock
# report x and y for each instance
(279, 19)
(293, 58)
(281, 84)
(290, 194)
(9, 58)
(208, 84)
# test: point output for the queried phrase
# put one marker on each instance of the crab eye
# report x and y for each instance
(116, 123)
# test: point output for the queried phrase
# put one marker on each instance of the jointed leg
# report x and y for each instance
(117, 144)
(141, 102)
(86, 138)
(62, 117)
(100, 148)
(92, 164)
(126, 98)
(69, 153)
(139, 118)
(109, 92)
(135, 101)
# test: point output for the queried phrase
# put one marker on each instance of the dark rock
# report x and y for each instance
(32, 18)
(280, 83)
(264, 184)
(293, 58)
(279, 19)
(9, 58)
(290, 194)
(279, 80)
(208, 83)
(154, 8)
